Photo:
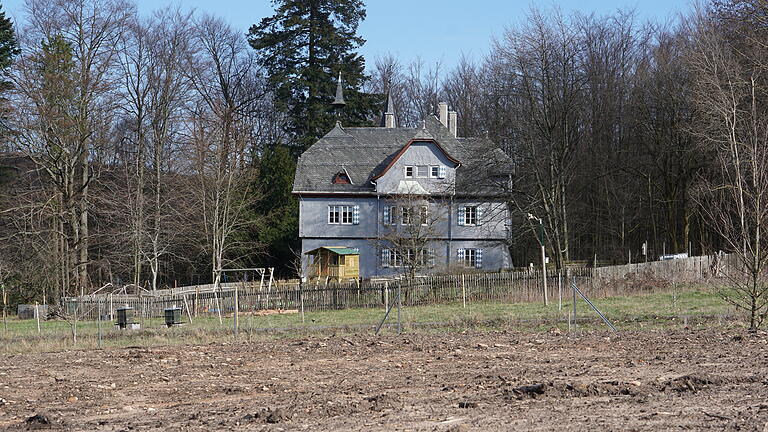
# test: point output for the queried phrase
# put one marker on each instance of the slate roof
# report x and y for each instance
(365, 152)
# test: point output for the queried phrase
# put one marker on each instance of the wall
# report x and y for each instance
(313, 218)
(495, 255)
(419, 153)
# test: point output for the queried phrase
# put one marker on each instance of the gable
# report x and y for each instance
(422, 167)
(419, 151)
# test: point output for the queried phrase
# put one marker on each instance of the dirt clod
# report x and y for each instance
(529, 390)
(382, 402)
(692, 383)
(38, 421)
(269, 415)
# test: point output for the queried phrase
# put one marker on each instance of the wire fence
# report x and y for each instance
(515, 286)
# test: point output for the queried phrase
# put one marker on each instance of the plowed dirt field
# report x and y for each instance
(489, 381)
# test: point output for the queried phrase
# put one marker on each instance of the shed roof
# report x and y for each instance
(338, 250)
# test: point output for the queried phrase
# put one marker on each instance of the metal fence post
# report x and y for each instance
(573, 288)
(237, 311)
(98, 324)
(399, 306)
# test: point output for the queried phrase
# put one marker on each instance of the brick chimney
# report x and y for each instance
(453, 122)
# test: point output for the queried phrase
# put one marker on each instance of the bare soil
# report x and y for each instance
(503, 380)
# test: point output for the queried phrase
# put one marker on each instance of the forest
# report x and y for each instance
(156, 149)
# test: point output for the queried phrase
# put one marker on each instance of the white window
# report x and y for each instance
(344, 215)
(389, 215)
(407, 258)
(416, 258)
(397, 259)
(434, 171)
(469, 216)
(334, 216)
(405, 216)
(408, 172)
(391, 258)
(422, 171)
(424, 215)
(470, 257)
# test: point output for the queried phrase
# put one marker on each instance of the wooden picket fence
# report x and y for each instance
(522, 286)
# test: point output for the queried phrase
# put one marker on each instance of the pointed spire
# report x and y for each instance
(388, 119)
(338, 102)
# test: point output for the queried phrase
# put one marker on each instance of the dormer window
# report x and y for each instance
(341, 178)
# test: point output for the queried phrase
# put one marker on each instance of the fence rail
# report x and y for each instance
(514, 286)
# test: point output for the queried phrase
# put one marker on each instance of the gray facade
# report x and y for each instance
(352, 182)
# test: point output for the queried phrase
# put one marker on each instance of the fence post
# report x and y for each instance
(98, 324)
(573, 288)
(5, 308)
(399, 305)
(197, 299)
(186, 306)
(560, 290)
(218, 302)
(386, 295)
(237, 311)
(463, 291)
(301, 298)
(37, 317)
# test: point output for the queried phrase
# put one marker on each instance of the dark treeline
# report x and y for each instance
(155, 150)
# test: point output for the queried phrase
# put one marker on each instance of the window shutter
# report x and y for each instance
(441, 172)
(462, 212)
(387, 215)
(460, 255)
(356, 215)
(385, 258)
(431, 257)
(479, 213)
(478, 258)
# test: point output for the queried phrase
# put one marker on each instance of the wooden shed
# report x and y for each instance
(335, 262)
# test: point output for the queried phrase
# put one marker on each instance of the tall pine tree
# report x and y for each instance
(9, 49)
(303, 47)
(279, 230)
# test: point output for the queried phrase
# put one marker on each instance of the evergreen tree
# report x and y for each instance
(9, 49)
(9, 46)
(303, 47)
(279, 231)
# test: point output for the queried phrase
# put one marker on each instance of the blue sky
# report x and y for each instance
(430, 29)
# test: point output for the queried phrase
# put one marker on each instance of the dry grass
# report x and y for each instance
(659, 310)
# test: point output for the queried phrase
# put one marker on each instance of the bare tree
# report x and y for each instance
(544, 54)
(60, 86)
(228, 90)
(412, 221)
(729, 60)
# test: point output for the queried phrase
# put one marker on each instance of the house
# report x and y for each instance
(363, 189)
